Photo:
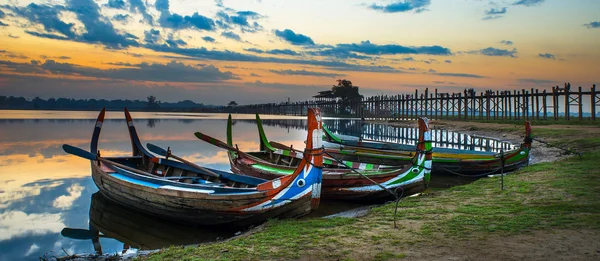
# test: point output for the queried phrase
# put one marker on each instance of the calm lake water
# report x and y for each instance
(44, 190)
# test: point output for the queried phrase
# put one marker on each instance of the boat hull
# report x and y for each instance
(193, 208)
(340, 184)
(452, 164)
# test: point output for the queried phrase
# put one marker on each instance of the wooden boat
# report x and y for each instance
(192, 194)
(338, 182)
(445, 160)
(138, 230)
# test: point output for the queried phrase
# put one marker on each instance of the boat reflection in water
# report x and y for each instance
(139, 230)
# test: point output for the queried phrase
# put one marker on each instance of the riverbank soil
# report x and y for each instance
(547, 211)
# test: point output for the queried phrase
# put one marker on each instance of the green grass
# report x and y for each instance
(558, 195)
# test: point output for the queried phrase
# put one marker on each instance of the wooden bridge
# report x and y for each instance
(557, 103)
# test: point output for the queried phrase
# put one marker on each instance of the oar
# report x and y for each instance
(160, 151)
(214, 141)
(78, 233)
(224, 145)
(91, 156)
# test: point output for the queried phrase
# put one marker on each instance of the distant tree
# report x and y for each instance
(346, 93)
(152, 102)
(232, 103)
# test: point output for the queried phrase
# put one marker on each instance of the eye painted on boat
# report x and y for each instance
(415, 170)
(522, 153)
(301, 183)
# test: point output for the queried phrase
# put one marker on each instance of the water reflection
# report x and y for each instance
(139, 230)
(43, 189)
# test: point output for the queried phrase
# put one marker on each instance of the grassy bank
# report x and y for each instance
(563, 195)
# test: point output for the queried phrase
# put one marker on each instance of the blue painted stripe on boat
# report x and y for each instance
(136, 181)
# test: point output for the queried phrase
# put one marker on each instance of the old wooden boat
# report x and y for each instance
(369, 183)
(186, 193)
(445, 160)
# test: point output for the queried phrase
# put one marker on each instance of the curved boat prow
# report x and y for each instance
(136, 146)
(264, 142)
(97, 129)
(330, 136)
(307, 177)
(425, 147)
(229, 131)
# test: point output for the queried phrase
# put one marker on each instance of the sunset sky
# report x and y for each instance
(255, 51)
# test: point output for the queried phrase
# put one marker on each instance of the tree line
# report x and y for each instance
(152, 104)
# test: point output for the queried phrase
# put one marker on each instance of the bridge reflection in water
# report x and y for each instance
(404, 135)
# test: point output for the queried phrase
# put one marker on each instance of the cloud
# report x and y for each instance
(48, 17)
(98, 30)
(208, 39)
(255, 75)
(592, 25)
(402, 6)
(528, 2)
(274, 51)
(140, 7)
(240, 19)
(66, 201)
(306, 73)
(171, 72)
(537, 81)
(117, 4)
(494, 11)
(366, 47)
(32, 249)
(12, 55)
(203, 53)
(293, 38)
(49, 36)
(231, 35)
(547, 56)
(152, 36)
(3, 24)
(463, 75)
(491, 51)
(18, 224)
(338, 53)
(55, 57)
(175, 42)
(448, 61)
(121, 17)
(176, 21)
(506, 42)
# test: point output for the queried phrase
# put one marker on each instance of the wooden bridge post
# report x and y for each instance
(593, 102)
(487, 105)
(555, 102)
(517, 107)
(525, 105)
(466, 108)
(537, 104)
(436, 103)
(459, 105)
(567, 97)
(426, 100)
(544, 105)
(580, 105)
